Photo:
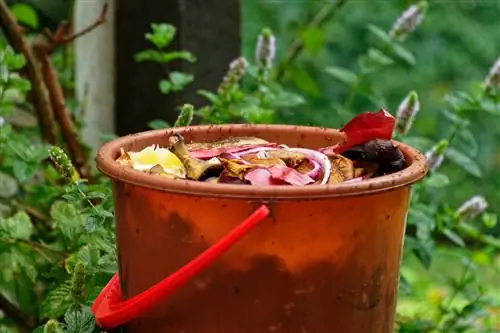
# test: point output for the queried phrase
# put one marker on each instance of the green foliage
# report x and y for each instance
(160, 37)
(57, 230)
(25, 14)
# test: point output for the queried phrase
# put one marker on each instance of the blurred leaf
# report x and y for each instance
(380, 34)
(422, 251)
(149, 55)
(178, 55)
(463, 161)
(8, 186)
(18, 226)
(454, 237)
(213, 98)
(491, 107)
(67, 219)
(24, 171)
(404, 54)
(437, 180)
(420, 217)
(313, 39)
(179, 80)
(165, 86)
(373, 61)
(25, 14)
(379, 57)
(419, 142)
(490, 220)
(467, 142)
(158, 124)
(12, 60)
(343, 75)
(455, 118)
(304, 81)
(19, 83)
(285, 99)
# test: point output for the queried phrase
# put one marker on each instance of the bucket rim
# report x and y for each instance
(108, 152)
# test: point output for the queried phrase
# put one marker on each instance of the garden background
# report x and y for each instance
(317, 63)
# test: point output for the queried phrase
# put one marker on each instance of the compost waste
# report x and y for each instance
(366, 151)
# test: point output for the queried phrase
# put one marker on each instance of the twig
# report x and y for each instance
(61, 37)
(39, 94)
(26, 323)
(297, 44)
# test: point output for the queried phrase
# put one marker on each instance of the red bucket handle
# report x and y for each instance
(111, 311)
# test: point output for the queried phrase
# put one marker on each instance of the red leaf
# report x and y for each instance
(365, 127)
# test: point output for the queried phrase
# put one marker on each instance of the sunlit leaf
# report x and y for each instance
(66, 219)
(8, 185)
(162, 34)
(18, 226)
(158, 124)
(344, 75)
(179, 80)
(25, 14)
(313, 39)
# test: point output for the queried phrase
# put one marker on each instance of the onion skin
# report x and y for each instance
(319, 157)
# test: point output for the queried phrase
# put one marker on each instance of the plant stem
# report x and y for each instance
(297, 45)
(456, 291)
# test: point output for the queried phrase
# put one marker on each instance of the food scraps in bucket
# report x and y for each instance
(365, 151)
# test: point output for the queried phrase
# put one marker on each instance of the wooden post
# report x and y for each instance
(210, 29)
(95, 69)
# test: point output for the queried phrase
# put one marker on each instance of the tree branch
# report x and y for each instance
(38, 93)
(62, 114)
(25, 322)
(61, 37)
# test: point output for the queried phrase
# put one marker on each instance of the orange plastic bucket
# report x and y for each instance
(324, 260)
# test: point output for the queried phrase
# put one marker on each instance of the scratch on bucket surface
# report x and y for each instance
(275, 327)
(302, 291)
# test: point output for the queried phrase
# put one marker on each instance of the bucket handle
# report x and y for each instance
(111, 311)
